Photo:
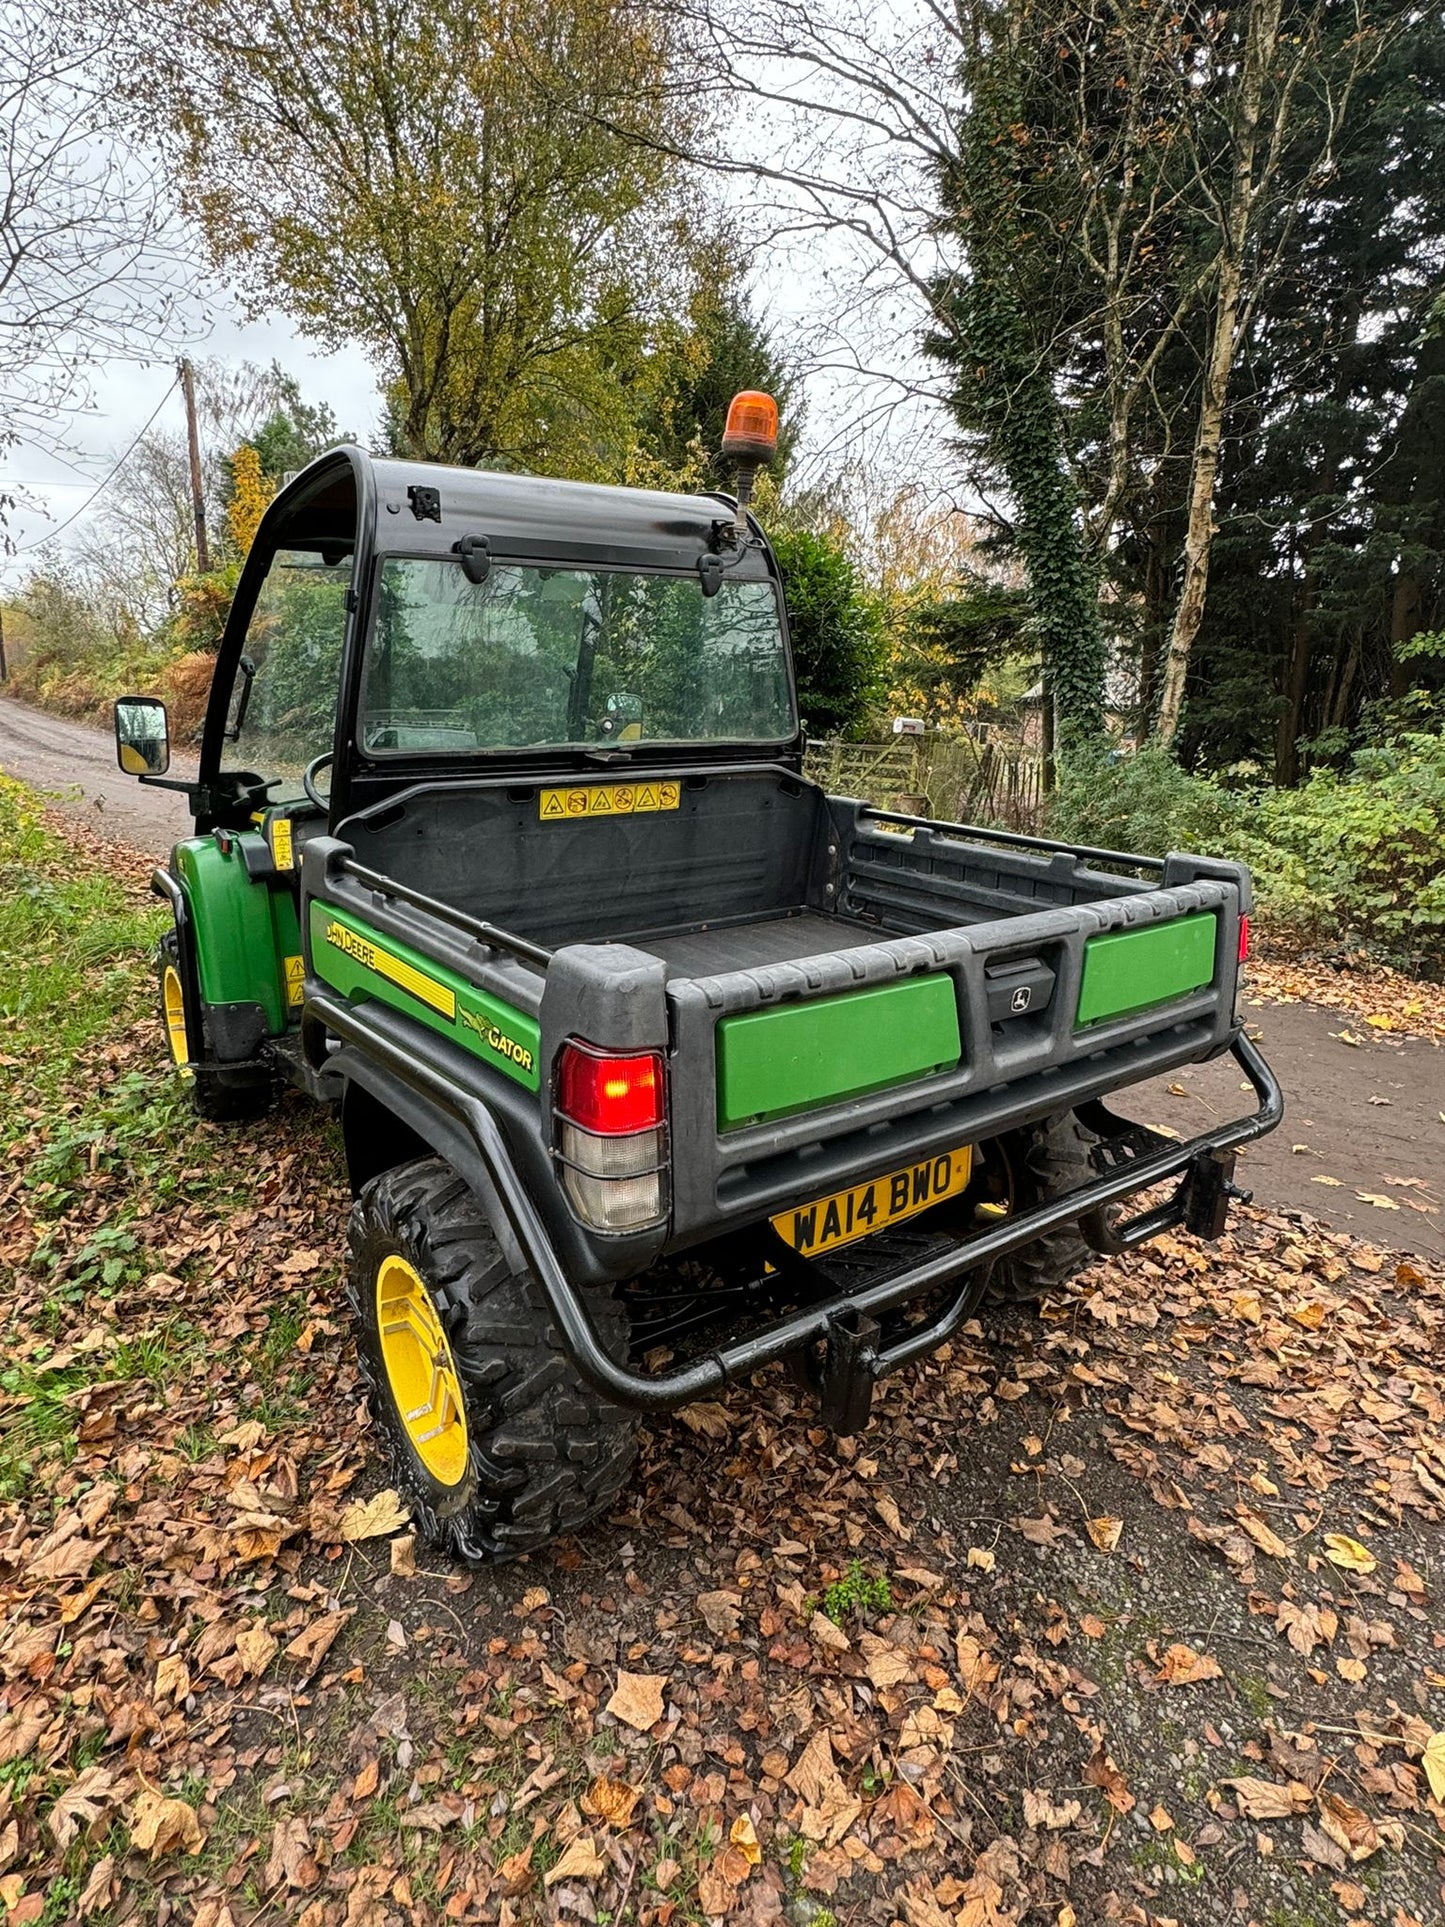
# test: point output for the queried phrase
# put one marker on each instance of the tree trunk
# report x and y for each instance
(1261, 39)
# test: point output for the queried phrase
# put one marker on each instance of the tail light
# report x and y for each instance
(1243, 939)
(612, 1135)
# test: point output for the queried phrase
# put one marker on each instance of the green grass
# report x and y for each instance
(107, 1144)
(72, 947)
(858, 1593)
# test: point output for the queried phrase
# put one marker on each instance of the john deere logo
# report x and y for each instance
(1021, 999)
(354, 946)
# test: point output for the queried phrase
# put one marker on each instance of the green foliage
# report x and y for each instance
(858, 1594)
(484, 200)
(837, 632)
(295, 432)
(1353, 857)
(1002, 369)
(726, 349)
(944, 647)
(1144, 802)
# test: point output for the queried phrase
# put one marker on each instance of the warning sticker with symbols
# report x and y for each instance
(295, 979)
(607, 799)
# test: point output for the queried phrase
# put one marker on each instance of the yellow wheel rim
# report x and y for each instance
(173, 1003)
(420, 1370)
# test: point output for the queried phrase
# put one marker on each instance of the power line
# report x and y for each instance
(30, 547)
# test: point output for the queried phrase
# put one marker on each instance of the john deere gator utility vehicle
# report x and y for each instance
(655, 1063)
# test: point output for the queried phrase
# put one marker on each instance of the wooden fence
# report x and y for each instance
(961, 779)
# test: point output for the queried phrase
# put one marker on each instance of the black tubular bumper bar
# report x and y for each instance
(847, 1321)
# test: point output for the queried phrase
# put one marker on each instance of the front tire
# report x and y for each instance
(1043, 1161)
(221, 1095)
(494, 1440)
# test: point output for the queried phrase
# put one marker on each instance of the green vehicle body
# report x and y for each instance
(834, 997)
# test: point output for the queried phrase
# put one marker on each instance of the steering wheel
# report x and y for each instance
(308, 782)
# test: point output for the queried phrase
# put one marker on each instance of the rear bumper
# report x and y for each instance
(845, 1322)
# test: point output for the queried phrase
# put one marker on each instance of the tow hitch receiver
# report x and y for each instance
(850, 1371)
(1208, 1190)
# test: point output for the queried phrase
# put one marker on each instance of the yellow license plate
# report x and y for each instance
(850, 1215)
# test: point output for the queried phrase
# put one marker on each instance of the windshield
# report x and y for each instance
(536, 658)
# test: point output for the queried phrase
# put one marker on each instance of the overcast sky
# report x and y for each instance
(804, 288)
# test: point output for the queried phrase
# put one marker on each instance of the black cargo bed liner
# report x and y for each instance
(707, 950)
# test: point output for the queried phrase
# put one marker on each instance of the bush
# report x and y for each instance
(1350, 859)
(837, 632)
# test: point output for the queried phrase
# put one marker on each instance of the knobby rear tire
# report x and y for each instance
(546, 1453)
(1045, 1161)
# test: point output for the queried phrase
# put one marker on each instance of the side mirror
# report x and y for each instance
(142, 736)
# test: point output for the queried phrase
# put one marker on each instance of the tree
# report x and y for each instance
(835, 628)
(477, 197)
(88, 262)
(725, 349)
(1004, 379)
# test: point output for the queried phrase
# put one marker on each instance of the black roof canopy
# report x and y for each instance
(426, 508)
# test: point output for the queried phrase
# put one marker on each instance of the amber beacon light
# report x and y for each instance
(750, 439)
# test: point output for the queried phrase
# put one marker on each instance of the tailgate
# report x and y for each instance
(797, 1078)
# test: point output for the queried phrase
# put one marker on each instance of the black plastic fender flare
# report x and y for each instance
(439, 1128)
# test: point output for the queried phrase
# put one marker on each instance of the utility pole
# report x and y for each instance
(193, 440)
(4, 670)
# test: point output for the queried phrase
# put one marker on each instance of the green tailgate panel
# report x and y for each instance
(360, 962)
(771, 1063)
(1130, 970)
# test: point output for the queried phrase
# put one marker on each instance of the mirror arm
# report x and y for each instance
(200, 796)
(243, 702)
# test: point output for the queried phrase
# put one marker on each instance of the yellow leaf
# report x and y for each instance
(257, 1648)
(637, 1699)
(160, 1826)
(581, 1861)
(980, 1558)
(1435, 1764)
(1104, 1532)
(744, 1837)
(374, 1518)
(1341, 1550)
(1262, 1535)
(611, 1800)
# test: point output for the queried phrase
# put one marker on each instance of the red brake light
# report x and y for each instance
(610, 1095)
(1243, 938)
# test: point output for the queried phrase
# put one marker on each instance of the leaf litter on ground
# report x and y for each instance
(1226, 1505)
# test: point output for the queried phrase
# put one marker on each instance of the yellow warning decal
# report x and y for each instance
(281, 853)
(395, 969)
(295, 979)
(607, 799)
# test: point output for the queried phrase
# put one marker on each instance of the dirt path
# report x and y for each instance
(78, 765)
(1362, 1147)
(1366, 1118)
